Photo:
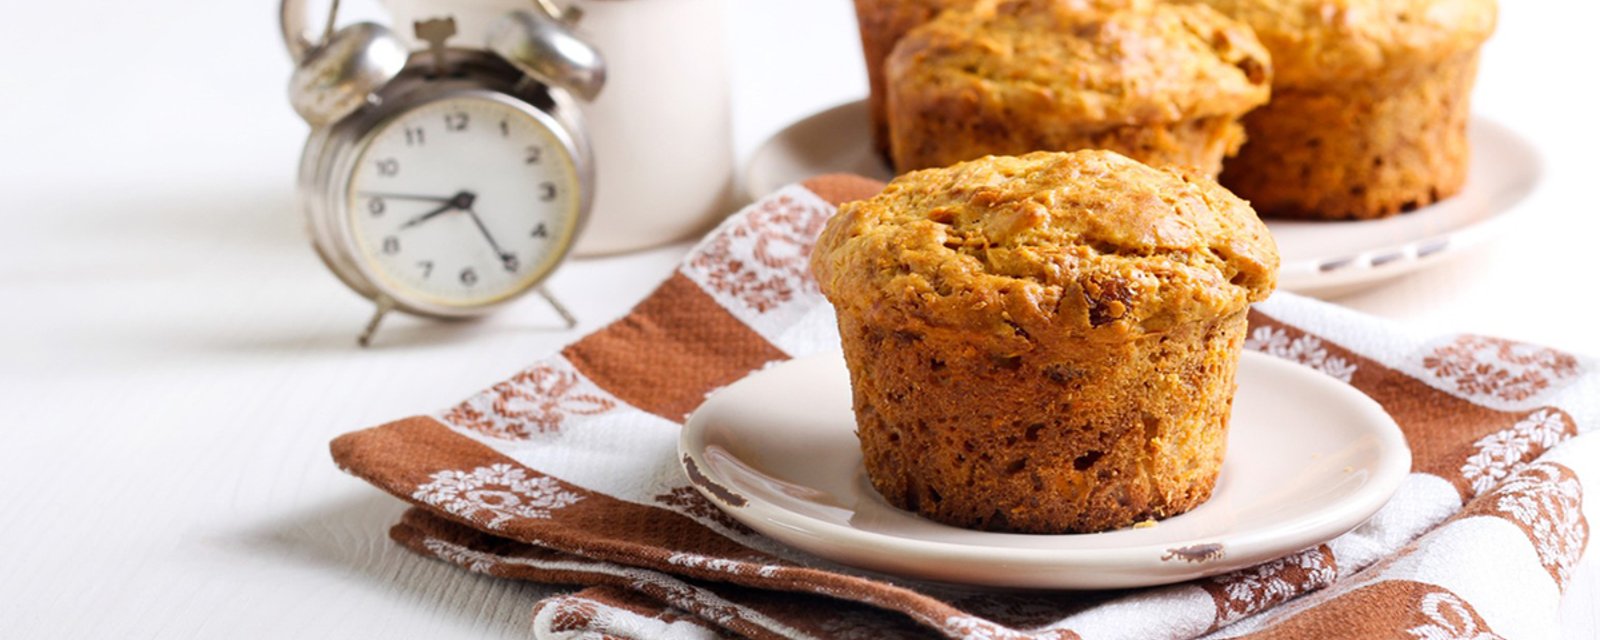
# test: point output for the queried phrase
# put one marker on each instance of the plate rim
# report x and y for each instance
(1319, 274)
(1242, 549)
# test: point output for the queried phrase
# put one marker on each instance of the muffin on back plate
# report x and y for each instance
(1044, 343)
(1164, 84)
(884, 22)
(1370, 104)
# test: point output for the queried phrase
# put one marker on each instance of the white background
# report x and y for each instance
(173, 359)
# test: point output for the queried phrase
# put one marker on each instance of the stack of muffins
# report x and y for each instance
(1043, 317)
(1366, 115)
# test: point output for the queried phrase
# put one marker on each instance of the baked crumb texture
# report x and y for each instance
(1044, 343)
(1162, 83)
(882, 24)
(1370, 105)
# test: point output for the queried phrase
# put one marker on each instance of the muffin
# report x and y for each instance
(1044, 343)
(884, 22)
(1370, 103)
(1163, 84)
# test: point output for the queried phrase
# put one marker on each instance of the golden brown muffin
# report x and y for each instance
(1370, 104)
(884, 22)
(1160, 83)
(1044, 343)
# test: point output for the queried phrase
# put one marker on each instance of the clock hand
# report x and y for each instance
(462, 201)
(505, 258)
(407, 196)
(424, 217)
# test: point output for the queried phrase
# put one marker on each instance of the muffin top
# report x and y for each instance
(1128, 62)
(1088, 242)
(1314, 41)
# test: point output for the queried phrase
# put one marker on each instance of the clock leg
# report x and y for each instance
(572, 321)
(385, 305)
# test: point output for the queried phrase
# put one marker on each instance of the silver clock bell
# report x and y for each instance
(446, 182)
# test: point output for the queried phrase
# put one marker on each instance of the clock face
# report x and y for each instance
(462, 202)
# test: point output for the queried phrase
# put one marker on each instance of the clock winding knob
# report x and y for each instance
(543, 47)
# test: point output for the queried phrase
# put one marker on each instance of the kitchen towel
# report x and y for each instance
(568, 472)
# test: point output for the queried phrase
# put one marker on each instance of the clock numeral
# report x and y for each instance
(376, 207)
(534, 153)
(415, 137)
(427, 267)
(505, 128)
(391, 245)
(547, 191)
(388, 167)
(511, 262)
(469, 277)
(455, 121)
(540, 231)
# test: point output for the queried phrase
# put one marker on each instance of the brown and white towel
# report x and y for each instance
(567, 472)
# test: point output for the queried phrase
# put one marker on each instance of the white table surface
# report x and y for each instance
(174, 360)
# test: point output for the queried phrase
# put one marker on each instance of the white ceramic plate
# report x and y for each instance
(1325, 258)
(1309, 458)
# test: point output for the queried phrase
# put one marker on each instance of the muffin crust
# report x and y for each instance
(1316, 42)
(1161, 83)
(882, 24)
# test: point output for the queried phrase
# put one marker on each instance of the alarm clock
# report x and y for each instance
(450, 181)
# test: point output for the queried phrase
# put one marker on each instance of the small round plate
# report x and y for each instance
(1321, 258)
(1309, 458)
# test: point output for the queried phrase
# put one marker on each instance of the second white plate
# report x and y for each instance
(1309, 458)
(1324, 258)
